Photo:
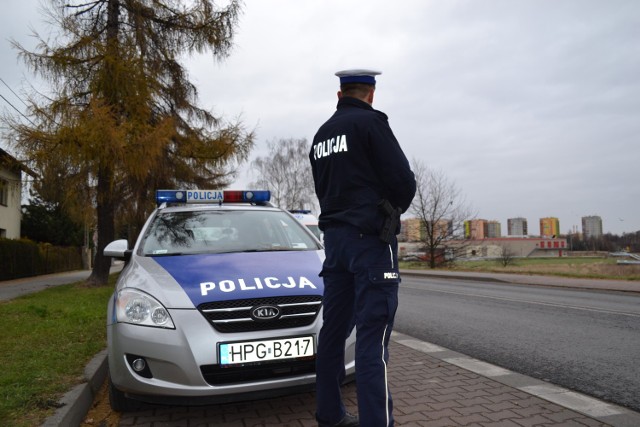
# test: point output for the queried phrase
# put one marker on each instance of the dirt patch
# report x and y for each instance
(100, 414)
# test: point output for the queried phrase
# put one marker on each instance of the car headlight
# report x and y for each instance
(139, 308)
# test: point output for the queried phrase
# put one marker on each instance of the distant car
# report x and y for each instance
(310, 221)
(220, 300)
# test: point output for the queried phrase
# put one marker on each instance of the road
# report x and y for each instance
(587, 341)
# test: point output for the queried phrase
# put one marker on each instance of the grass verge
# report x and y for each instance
(578, 267)
(47, 338)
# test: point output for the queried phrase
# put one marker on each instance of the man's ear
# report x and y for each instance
(370, 96)
(340, 94)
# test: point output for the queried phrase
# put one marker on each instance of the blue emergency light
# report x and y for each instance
(212, 196)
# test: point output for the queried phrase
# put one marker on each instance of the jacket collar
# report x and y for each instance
(348, 101)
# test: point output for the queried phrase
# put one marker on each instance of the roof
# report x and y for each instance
(13, 164)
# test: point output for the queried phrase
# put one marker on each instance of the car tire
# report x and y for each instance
(119, 401)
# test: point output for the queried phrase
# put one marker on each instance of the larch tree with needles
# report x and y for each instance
(121, 116)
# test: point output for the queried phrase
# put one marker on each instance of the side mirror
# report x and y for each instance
(118, 249)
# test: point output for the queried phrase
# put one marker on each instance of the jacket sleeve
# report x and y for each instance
(391, 164)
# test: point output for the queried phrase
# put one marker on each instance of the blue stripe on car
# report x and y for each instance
(220, 277)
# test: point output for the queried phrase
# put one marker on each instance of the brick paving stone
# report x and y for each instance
(536, 420)
(472, 409)
(469, 419)
(408, 419)
(216, 424)
(475, 385)
(447, 397)
(502, 423)
(497, 407)
(577, 422)
(502, 397)
(445, 405)
(590, 422)
(427, 392)
(561, 416)
(411, 408)
(475, 393)
(531, 410)
(443, 422)
(503, 415)
(290, 418)
(473, 401)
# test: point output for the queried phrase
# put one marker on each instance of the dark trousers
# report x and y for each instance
(361, 280)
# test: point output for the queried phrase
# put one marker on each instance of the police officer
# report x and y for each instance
(358, 166)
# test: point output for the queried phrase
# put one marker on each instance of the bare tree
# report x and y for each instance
(286, 172)
(442, 209)
(506, 255)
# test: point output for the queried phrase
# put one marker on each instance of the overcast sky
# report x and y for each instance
(531, 107)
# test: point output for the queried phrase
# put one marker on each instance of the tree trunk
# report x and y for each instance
(104, 197)
(106, 227)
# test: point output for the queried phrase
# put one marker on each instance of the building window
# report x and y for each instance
(4, 192)
(3, 233)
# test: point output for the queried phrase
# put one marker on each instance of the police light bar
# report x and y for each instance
(211, 196)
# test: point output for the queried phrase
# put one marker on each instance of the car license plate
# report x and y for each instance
(266, 350)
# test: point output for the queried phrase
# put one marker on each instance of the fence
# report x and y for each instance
(24, 258)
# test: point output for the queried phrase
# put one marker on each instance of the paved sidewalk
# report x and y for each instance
(10, 289)
(430, 388)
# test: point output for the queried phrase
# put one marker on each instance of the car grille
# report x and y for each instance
(221, 375)
(234, 316)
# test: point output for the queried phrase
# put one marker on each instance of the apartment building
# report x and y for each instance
(517, 227)
(494, 229)
(591, 227)
(549, 227)
(475, 229)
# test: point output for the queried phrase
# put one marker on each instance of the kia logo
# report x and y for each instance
(265, 312)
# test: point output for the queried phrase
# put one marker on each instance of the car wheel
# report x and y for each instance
(119, 401)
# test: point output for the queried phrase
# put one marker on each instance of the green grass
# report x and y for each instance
(578, 267)
(46, 340)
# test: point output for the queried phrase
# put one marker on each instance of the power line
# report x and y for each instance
(8, 87)
(14, 107)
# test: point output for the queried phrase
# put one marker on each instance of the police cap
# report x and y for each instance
(358, 76)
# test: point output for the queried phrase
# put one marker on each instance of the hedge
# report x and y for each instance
(24, 258)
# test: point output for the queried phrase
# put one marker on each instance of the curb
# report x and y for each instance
(608, 413)
(76, 403)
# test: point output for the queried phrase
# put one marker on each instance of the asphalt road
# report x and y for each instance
(587, 341)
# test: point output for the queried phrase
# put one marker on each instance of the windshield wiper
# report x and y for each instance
(167, 254)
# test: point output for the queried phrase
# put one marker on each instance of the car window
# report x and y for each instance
(315, 230)
(191, 232)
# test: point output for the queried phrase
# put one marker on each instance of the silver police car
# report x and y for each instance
(220, 300)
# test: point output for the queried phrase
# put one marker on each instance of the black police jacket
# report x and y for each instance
(356, 161)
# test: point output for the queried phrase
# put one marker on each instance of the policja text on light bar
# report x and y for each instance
(211, 196)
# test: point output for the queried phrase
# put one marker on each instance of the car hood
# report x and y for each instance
(189, 280)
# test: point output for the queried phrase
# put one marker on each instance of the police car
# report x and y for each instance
(220, 300)
(308, 220)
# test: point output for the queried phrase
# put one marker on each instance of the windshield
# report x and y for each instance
(180, 233)
(315, 230)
